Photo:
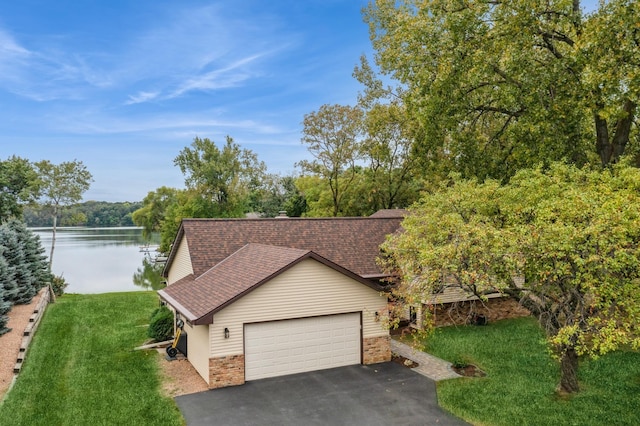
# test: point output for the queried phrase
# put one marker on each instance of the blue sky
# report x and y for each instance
(124, 85)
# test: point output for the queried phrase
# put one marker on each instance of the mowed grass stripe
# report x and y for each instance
(82, 369)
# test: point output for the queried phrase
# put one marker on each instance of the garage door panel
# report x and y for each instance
(295, 346)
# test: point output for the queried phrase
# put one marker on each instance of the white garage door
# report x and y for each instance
(295, 346)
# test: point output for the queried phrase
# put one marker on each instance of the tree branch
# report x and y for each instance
(506, 77)
(489, 108)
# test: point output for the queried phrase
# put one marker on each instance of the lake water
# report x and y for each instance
(101, 260)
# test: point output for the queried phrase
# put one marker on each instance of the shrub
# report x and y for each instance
(58, 283)
(161, 324)
(460, 362)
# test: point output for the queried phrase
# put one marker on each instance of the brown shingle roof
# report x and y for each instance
(352, 243)
(390, 213)
(248, 268)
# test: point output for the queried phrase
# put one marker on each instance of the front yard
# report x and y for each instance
(521, 379)
(81, 369)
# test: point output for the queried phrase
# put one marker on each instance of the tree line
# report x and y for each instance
(361, 164)
(88, 213)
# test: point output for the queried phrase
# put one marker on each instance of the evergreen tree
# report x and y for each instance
(14, 254)
(5, 304)
(7, 273)
(34, 253)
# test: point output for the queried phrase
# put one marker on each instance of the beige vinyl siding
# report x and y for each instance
(452, 293)
(307, 289)
(198, 348)
(181, 265)
(455, 294)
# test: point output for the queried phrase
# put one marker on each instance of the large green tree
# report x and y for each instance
(277, 194)
(332, 135)
(502, 85)
(18, 184)
(189, 203)
(572, 234)
(316, 194)
(219, 183)
(154, 208)
(391, 171)
(61, 185)
(225, 176)
(319, 201)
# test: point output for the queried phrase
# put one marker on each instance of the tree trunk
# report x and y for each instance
(53, 237)
(610, 149)
(623, 130)
(569, 372)
(603, 146)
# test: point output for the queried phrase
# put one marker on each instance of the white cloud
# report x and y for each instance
(46, 74)
(158, 125)
(13, 61)
(200, 49)
(9, 48)
(141, 97)
(229, 76)
(180, 50)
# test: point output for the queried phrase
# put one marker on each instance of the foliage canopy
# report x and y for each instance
(499, 86)
(572, 234)
(18, 184)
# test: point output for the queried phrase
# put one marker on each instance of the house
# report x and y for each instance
(452, 305)
(268, 297)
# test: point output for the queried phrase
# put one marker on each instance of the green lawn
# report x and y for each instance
(81, 369)
(519, 387)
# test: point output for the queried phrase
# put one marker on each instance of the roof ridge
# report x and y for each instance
(232, 256)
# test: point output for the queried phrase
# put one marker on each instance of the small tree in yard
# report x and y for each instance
(572, 234)
(58, 284)
(161, 324)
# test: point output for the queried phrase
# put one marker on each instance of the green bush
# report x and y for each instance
(161, 324)
(58, 283)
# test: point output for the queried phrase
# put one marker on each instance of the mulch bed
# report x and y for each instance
(405, 362)
(469, 371)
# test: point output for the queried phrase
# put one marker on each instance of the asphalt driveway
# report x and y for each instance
(379, 394)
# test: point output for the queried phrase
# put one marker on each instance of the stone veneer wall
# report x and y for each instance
(464, 312)
(376, 349)
(226, 371)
